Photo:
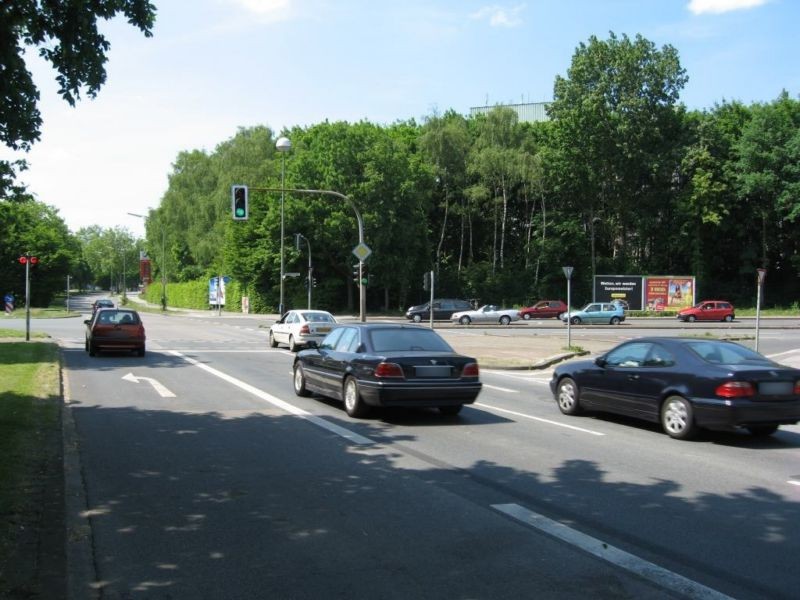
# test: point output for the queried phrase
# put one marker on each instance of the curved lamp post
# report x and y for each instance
(283, 145)
(163, 262)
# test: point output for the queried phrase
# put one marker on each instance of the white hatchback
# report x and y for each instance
(298, 327)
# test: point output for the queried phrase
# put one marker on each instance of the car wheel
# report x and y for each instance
(762, 430)
(300, 381)
(615, 320)
(691, 318)
(505, 320)
(728, 318)
(292, 346)
(575, 320)
(92, 349)
(677, 418)
(353, 404)
(568, 396)
(451, 410)
(272, 342)
(465, 320)
(417, 318)
(526, 316)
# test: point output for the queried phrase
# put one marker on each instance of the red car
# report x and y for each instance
(708, 310)
(544, 309)
(114, 329)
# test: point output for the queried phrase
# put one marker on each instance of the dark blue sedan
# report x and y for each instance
(685, 384)
(367, 365)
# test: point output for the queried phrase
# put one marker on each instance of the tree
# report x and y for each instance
(67, 36)
(618, 121)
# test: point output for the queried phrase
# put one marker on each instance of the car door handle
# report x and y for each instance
(633, 377)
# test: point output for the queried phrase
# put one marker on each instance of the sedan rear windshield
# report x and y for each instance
(396, 339)
(113, 317)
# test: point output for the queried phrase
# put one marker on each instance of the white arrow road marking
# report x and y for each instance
(162, 391)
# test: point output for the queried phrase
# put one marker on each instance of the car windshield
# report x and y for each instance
(118, 317)
(395, 339)
(727, 353)
(318, 317)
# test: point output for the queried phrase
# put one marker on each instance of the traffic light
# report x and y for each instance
(364, 276)
(355, 274)
(426, 281)
(239, 202)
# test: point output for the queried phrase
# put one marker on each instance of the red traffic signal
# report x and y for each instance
(23, 260)
(34, 260)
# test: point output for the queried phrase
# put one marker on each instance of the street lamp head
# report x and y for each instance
(283, 144)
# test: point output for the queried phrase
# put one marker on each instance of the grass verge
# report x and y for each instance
(31, 473)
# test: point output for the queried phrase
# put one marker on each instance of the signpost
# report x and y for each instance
(762, 274)
(568, 275)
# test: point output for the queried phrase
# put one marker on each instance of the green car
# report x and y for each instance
(596, 312)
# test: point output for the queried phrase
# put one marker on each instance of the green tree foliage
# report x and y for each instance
(66, 35)
(35, 228)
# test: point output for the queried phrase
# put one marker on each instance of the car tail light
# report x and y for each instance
(385, 369)
(735, 389)
(797, 388)
(305, 329)
(470, 370)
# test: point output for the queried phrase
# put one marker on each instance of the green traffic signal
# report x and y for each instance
(239, 202)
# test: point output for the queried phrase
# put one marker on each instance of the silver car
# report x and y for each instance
(298, 327)
(488, 313)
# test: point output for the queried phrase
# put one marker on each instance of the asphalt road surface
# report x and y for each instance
(202, 475)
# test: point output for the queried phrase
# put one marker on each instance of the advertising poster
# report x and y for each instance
(619, 287)
(216, 291)
(668, 292)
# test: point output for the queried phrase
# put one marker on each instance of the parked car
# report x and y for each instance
(443, 309)
(101, 303)
(685, 384)
(299, 327)
(544, 309)
(708, 310)
(488, 313)
(380, 364)
(115, 329)
(596, 312)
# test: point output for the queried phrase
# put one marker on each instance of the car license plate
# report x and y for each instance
(323, 329)
(433, 371)
(776, 388)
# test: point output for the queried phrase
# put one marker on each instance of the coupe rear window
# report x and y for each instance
(727, 354)
(396, 339)
(113, 317)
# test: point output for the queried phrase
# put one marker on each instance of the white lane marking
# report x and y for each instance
(548, 421)
(277, 402)
(500, 389)
(786, 353)
(658, 575)
(157, 386)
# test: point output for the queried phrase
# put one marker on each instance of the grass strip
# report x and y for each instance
(30, 461)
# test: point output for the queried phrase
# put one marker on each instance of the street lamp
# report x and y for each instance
(283, 145)
(163, 261)
(310, 276)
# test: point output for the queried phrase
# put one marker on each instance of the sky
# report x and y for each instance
(213, 66)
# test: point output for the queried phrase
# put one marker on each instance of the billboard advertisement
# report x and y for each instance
(669, 292)
(619, 287)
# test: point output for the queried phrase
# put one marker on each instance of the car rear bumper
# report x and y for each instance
(117, 343)
(724, 414)
(389, 393)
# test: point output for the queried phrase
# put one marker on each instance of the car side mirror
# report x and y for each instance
(312, 344)
(600, 361)
(87, 321)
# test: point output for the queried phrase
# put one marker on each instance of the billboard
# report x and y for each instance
(669, 292)
(619, 287)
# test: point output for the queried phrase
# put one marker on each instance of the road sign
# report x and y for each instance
(362, 251)
(567, 272)
(293, 274)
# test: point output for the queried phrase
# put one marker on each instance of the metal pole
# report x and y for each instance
(28, 297)
(569, 317)
(283, 195)
(163, 268)
(67, 293)
(759, 288)
(430, 305)
(310, 273)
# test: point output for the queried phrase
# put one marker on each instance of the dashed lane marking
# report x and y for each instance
(548, 421)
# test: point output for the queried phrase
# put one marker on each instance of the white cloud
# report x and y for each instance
(700, 7)
(266, 10)
(498, 16)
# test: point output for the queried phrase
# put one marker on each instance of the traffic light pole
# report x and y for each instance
(362, 296)
(28, 297)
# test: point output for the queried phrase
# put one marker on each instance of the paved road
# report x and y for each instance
(230, 486)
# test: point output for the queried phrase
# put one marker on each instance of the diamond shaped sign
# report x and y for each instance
(362, 251)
